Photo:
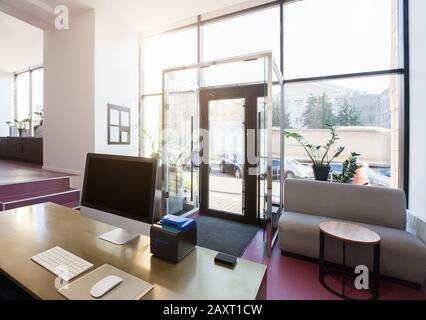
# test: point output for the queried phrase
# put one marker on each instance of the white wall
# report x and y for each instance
(6, 101)
(117, 80)
(417, 107)
(69, 95)
(94, 63)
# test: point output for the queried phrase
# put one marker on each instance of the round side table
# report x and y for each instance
(349, 233)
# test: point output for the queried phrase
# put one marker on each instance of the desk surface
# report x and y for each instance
(28, 231)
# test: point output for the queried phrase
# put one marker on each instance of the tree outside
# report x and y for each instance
(348, 115)
(276, 114)
(319, 112)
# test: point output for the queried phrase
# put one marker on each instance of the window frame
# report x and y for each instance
(120, 127)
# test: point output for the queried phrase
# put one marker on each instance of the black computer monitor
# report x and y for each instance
(120, 191)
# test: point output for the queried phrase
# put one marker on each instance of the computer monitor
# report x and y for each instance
(120, 191)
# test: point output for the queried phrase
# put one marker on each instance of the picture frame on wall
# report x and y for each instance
(119, 119)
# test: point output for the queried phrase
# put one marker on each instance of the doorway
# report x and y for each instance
(229, 116)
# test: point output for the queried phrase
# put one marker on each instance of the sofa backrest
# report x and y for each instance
(371, 205)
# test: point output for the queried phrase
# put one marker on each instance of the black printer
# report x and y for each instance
(171, 240)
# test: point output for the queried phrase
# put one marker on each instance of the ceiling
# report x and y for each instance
(21, 44)
(141, 15)
(21, 41)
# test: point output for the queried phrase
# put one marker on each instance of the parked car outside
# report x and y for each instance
(231, 163)
(374, 178)
(292, 169)
(384, 171)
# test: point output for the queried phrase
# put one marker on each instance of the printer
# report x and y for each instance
(173, 238)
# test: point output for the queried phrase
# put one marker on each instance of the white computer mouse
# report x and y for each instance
(104, 286)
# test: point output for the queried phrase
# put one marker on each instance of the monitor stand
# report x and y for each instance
(119, 236)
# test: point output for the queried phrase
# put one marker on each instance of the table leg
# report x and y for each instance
(344, 268)
(376, 272)
(322, 254)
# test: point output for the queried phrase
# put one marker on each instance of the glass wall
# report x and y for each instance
(328, 47)
(159, 52)
(329, 37)
(164, 51)
(250, 33)
(351, 37)
(217, 151)
(179, 148)
(365, 112)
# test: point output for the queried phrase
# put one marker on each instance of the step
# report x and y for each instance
(61, 198)
(26, 188)
(73, 205)
(34, 194)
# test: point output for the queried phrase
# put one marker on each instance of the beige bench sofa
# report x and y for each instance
(308, 203)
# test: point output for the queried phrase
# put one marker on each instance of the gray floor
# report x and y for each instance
(224, 236)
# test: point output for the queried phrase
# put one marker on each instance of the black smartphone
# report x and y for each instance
(226, 259)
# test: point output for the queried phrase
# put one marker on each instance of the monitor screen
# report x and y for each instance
(123, 186)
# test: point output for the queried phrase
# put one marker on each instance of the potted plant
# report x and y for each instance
(350, 166)
(155, 146)
(319, 155)
(40, 116)
(22, 126)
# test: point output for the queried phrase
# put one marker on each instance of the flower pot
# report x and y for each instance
(321, 173)
(21, 132)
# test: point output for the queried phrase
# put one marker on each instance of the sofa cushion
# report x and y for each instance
(378, 206)
(403, 256)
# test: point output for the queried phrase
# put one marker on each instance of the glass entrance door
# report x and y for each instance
(226, 155)
(229, 174)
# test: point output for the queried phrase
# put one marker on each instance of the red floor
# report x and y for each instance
(296, 279)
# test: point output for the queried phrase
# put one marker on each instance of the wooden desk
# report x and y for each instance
(28, 231)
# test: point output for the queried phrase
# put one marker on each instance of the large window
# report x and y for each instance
(29, 96)
(22, 91)
(342, 62)
(327, 37)
(254, 32)
(37, 91)
(170, 49)
(329, 48)
(366, 114)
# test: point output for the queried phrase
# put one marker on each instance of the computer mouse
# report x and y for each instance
(104, 286)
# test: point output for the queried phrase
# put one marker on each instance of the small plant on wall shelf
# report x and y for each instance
(40, 116)
(22, 126)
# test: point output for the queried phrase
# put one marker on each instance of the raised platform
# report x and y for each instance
(23, 184)
(12, 172)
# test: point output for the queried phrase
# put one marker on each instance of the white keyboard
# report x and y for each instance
(62, 263)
